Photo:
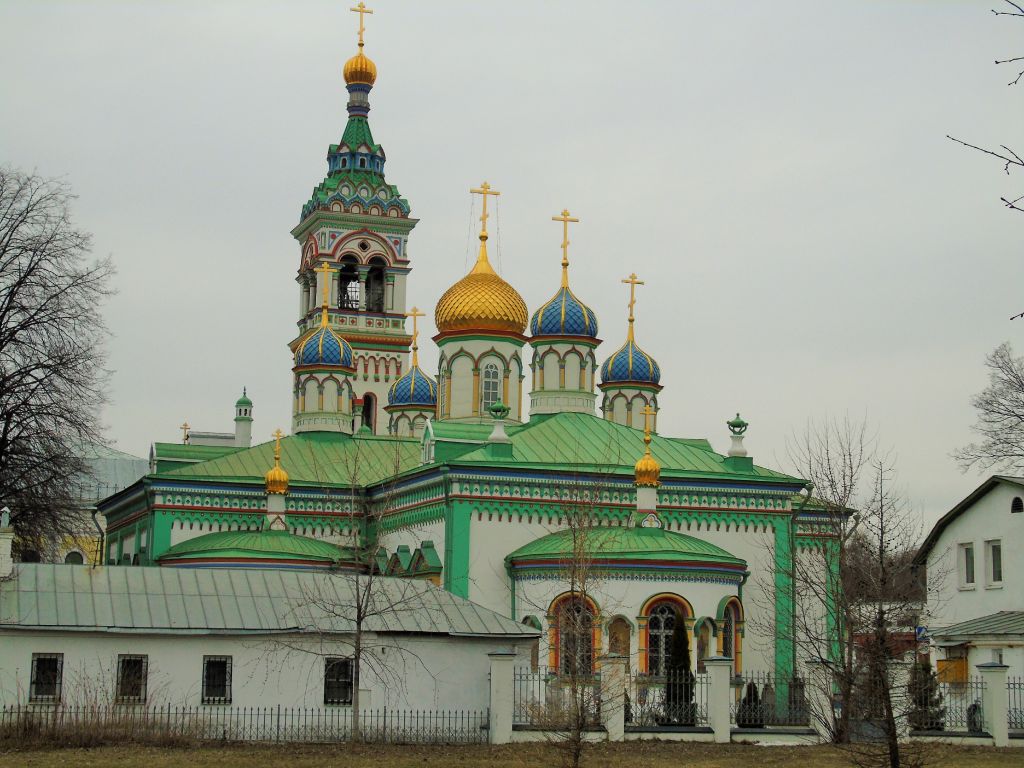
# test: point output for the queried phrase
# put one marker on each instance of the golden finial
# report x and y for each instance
(362, 10)
(325, 270)
(184, 432)
(647, 469)
(482, 264)
(565, 218)
(415, 314)
(633, 283)
(276, 478)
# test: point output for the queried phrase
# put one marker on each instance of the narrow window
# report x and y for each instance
(660, 626)
(995, 561)
(47, 671)
(216, 679)
(132, 672)
(490, 388)
(362, 162)
(576, 638)
(1017, 505)
(337, 681)
(967, 564)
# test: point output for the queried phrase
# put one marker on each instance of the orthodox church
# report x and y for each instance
(484, 476)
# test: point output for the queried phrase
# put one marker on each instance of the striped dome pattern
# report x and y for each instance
(324, 347)
(630, 364)
(564, 315)
(414, 388)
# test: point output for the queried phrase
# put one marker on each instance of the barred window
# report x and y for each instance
(132, 673)
(216, 679)
(660, 626)
(575, 638)
(490, 388)
(337, 680)
(47, 673)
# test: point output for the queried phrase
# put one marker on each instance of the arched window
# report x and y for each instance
(705, 642)
(660, 626)
(369, 411)
(731, 635)
(375, 286)
(74, 558)
(348, 284)
(575, 637)
(490, 386)
(1017, 505)
(618, 637)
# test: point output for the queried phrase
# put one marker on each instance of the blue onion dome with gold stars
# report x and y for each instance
(324, 347)
(629, 363)
(564, 314)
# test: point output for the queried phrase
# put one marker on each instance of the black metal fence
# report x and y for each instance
(542, 698)
(955, 707)
(763, 700)
(667, 701)
(263, 724)
(1015, 703)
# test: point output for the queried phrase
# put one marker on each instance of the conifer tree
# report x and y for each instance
(681, 682)
(926, 710)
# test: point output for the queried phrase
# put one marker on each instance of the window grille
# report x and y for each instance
(576, 638)
(1017, 505)
(216, 679)
(660, 626)
(47, 674)
(490, 388)
(337, 681)
(132, 675)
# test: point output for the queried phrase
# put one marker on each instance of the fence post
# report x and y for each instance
(993, 702)
(818, 688)
(720, 676)
(613, 695)
(501, 694)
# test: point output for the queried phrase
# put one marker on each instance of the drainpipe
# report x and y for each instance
(99, 529)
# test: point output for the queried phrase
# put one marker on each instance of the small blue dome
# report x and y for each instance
(630, 364)
(413, 388)
(564, 315)
(324, 347)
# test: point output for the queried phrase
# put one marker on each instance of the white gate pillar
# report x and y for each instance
(720, 677)
(613, 695)
(501, 694)
(819, 687)
(993, 702)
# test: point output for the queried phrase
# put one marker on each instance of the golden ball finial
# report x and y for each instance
(276, 478)
(647, 471)
(360, 69)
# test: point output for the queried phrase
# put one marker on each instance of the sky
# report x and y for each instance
(778, 173)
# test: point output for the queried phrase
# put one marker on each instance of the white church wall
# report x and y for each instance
(422, 672)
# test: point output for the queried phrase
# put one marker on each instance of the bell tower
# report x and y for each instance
(358, 224)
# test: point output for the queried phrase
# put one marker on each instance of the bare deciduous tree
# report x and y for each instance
(52, 360)
(1000, 412)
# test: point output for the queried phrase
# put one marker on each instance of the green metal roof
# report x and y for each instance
(585, 441)
(314, 459)
(606, 542)
(262, 545)
(230, 601)
(1001, 623)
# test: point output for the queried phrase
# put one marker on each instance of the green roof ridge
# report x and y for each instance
(278, 545)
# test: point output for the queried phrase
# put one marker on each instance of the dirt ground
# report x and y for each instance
(647, 754)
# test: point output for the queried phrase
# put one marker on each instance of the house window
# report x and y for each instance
(337, 681)
(994, 559)
(660, 626)
(132, 672)
(966, 566)
(490, 389)
(216, 679)
(1017, 505)
(47, 672)
(575, 638)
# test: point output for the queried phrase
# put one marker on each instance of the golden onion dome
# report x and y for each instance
(648, 471)
(360, 69)
(481, 301)
(277, 480)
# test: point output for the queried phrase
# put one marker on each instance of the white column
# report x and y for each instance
(818, 690)
(993, 703)
(335, 290)
(899, 695)
(720, 675)
(613, 695)
(389, 292)
(501, 693)
(303, 298)
(319, 291)
(362, 289)
(6, 543)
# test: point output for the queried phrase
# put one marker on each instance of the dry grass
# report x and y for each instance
(648, 754)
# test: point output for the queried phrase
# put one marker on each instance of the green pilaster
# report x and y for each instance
(160, 535)
(456, 549)
(832, 620)
(785, 599)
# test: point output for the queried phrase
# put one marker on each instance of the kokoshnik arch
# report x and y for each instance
(474, 474)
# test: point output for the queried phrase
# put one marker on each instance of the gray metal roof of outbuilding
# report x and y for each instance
(1001, 623)
(150, 600)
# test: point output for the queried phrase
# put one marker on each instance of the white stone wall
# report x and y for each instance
(459, 356)
(423, 672)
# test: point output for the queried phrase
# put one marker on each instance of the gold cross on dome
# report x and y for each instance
(362, 10)
(415, 314)
(633, 283)
(184, 430)
(565, 218)
(647, 411)
(278, 434)
(325, 270)
(484, 190)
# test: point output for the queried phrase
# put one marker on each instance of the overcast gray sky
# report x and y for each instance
(777, 172)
